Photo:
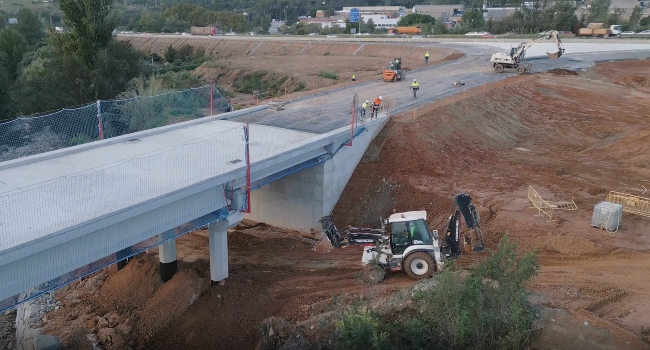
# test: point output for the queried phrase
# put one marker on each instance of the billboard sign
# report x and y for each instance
(354, 15)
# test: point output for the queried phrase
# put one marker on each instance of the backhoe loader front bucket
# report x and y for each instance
(555, 55)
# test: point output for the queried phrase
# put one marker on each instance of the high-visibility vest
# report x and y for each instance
(426, 55)
(415, 84)
(364, 105)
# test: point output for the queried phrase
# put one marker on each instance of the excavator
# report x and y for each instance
(514, 58)
(405, 242)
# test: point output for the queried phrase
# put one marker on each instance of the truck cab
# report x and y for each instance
(615, 29)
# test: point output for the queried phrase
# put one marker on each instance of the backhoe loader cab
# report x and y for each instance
(404, 243)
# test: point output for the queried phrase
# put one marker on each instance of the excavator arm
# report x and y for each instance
(519, 54)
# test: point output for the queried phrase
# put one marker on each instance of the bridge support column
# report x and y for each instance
(168, 262)
(218, 242)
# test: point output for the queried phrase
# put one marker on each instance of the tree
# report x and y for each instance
(292, 18)
(635, 17)
(170, 54)
(7, 107)
(415, 18)
(90, 26)
(12, 46)
(599, 11)
(473, 19)
(29, 26)
(369, 27)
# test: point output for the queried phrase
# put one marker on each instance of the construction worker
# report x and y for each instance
(426, 58)
(397, 66)
(375, 107)
(364, 108)
(415, 86)
(354, 77)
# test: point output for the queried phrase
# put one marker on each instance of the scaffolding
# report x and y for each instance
(631, 204)
(548, 207)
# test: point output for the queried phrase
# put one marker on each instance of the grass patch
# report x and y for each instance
(261, 81)
(328, 75)
(299, 87)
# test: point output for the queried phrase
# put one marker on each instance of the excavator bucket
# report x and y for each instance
(555, 55)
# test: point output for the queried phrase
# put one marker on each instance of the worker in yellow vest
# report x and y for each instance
(426, 58)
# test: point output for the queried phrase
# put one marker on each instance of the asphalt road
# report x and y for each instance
(328, 111)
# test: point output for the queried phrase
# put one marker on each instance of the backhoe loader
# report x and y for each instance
(515, 57)
(405, 242)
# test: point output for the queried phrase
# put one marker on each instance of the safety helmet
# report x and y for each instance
(414, 80)
(380, 97)
(367, 101)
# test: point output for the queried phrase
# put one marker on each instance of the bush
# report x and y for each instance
(328, 75)
(359, 330)
(484, 309)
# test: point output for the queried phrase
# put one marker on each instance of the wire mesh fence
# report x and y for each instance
(105, 119)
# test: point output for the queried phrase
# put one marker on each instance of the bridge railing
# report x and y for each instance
(105, 119)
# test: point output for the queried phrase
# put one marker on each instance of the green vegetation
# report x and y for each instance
(328, 75)
(484, 309)
(261, 81)
(301, 86)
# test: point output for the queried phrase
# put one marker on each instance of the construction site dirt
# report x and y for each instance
(570, 137)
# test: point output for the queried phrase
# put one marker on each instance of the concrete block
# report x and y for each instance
(46, 342)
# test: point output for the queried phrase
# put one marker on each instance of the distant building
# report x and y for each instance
(390, 11)
(498, 13)
(13, 20)
(381, 21)
(324, 22)
(320, 14)
(443, 12)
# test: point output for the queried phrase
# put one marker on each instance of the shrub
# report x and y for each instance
(328, 75)
(359, 330)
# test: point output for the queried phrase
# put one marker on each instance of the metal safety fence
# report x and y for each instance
(631, 204)
(548, 207)
(104, 119)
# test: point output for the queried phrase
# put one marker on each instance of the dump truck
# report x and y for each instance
(406, 30)
(594, 29)
(203, 31)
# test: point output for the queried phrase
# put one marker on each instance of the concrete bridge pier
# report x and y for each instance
(168, 262)
(218, 242)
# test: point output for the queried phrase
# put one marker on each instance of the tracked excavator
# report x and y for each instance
(514, 58)
(405, 242)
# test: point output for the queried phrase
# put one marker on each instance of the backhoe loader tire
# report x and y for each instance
(521, 70)
(498, 68)
(419, 266)
(373, 274)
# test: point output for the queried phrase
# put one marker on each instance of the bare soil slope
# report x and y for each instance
(302, 62)
(569, 138)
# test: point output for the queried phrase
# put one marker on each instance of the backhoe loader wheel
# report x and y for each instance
(498, 68)
(419, 265)
(521, 70)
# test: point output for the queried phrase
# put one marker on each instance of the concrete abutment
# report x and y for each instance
(297, 201)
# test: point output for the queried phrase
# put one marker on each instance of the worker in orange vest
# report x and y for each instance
(375, 107)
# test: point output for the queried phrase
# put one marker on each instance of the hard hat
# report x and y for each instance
(413, 79)
(380, 97)
(367, 101)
